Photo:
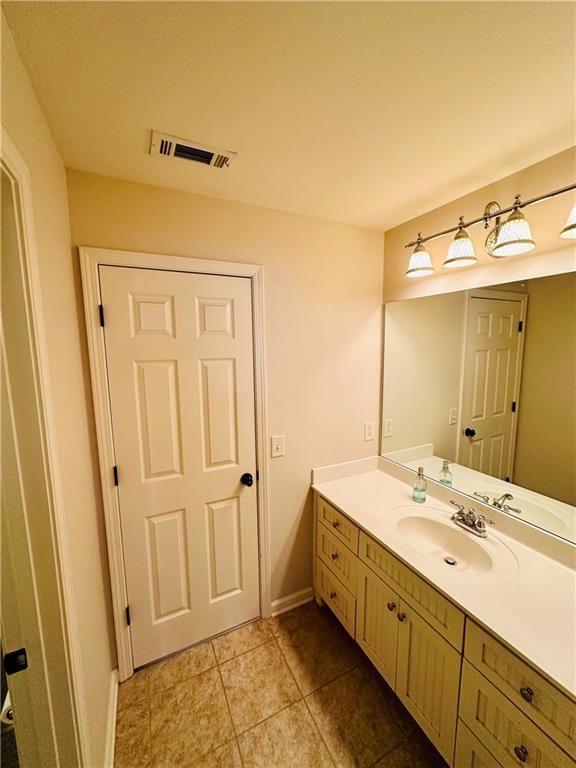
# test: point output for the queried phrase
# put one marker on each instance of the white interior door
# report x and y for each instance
(489, 383)
(180, 367)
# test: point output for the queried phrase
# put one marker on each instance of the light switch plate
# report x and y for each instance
(452, 416)
(278, 446)
(388, 427)
(369, 430)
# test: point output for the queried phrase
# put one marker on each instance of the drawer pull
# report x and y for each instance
(401, 616)
(335, 524)
(521, 753)
(334, 555)
(332, 595)
(391, 606)
(527, 694)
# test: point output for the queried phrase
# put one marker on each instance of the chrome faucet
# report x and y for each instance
(470, 520)
(499, 503)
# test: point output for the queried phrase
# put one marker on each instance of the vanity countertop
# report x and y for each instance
(531, 607)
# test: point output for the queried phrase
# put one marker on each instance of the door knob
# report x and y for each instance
(469, 432)
(247, 479)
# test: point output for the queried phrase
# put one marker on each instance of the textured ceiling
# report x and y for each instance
(367, 113)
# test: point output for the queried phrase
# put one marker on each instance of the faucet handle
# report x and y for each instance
(485, 499)
(482, 522)
(459, 506)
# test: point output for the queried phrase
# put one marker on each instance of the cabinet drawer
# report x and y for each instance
(552, 710)
(337, 557)
(335, 594)
(338, 523)
(504, 730)
(470, 753)
(430, 604)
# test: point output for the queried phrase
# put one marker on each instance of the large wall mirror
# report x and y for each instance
(486, 380)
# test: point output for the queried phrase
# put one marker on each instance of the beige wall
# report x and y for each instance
(551, 256)
(322, 285)
(23, 120)
(422, 369)
(546, 445)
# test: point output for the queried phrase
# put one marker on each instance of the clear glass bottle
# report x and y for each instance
(445, 474)
(420, 487)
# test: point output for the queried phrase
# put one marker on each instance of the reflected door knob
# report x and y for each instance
(469, 432)
(247, 479)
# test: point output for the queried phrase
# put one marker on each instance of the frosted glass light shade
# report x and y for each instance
(569, 231)
(514, 237)
(420, 264)
(460, 251)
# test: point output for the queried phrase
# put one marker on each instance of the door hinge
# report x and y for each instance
(101, 314)
(115, 472)
(513, 406)
(520, 326)
(128, 615)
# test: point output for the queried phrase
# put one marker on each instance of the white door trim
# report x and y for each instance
(59, 548)
(90, 260)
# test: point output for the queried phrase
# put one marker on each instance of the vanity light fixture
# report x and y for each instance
(461, 249)
(569, 231)
(420, 264)
(511, 238)
(515, 236)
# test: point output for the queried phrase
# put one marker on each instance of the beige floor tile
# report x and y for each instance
(241, 640)
(227, 756)
(258, 684)
(318, 652)
(294, 619)
(404, 756)
(355, 720)
(132, 747)
(133, 690)
(182, 666)
(427, 751)
(189, 721)
(287, 740)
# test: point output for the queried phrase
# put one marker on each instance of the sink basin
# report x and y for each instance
(430, 532)
(445, 543)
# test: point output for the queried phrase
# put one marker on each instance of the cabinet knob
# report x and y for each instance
(334, 555)
(332, 595)
(527, 694)
(335, 524)
(391, 606)
(401, 616)
(521, 753)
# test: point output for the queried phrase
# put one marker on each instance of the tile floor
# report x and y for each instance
(290, 692)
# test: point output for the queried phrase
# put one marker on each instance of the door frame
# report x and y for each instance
(90, 261)
(57, 550)
(522, 298)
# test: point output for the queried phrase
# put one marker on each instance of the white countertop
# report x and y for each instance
(531, 608)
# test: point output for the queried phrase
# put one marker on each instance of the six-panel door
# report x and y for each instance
(180, 370)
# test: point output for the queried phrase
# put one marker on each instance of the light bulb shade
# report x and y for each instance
(460, 252)
(420, 264)
(569, 231)
(514, 237)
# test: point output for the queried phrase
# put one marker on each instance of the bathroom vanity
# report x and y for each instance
(477, 636)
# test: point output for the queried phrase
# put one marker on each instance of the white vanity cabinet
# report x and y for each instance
(480, 704)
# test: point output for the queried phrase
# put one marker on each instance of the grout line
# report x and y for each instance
(237, 656)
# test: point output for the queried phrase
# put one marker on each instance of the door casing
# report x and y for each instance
(90, 260)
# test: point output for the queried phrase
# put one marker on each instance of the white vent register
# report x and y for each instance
(168, 146)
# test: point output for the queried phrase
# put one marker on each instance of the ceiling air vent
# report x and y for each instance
(184, 149)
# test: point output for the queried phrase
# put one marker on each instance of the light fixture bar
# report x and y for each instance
(487, 216)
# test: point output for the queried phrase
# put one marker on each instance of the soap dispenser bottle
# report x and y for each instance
(445, 474)
(420, 486)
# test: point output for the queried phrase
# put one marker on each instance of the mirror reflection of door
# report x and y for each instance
(491, 381)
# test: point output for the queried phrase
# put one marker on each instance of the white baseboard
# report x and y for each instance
(284, 604)
(111, 721)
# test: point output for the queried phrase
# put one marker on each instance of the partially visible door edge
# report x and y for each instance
(90, 260)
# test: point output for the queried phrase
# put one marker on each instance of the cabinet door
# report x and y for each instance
(470, 753)
(427, 679)
(376, 623)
